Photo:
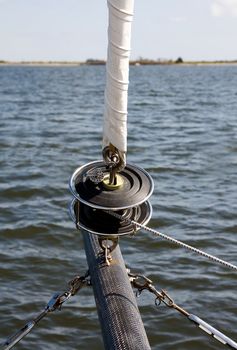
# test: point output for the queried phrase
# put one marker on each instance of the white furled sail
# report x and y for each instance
(117, 74)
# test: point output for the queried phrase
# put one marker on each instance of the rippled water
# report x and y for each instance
(183, 131)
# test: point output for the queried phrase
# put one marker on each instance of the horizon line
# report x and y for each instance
(139, 61)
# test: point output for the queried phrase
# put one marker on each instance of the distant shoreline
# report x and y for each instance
(139, 62)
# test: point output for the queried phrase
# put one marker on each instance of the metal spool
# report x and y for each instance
(101, 223)
(93, 196)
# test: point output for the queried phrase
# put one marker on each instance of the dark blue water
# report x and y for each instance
(183, 131)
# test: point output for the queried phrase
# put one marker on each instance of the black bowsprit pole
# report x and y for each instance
(120, 320)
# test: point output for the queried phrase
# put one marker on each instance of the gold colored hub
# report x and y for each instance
(117, 183)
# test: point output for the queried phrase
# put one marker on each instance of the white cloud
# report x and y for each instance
(220, 8)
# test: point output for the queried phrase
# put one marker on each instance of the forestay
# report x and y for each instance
(117, 73)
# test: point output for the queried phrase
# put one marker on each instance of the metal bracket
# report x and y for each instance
(108, 245)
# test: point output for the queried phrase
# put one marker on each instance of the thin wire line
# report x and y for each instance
(175, 241)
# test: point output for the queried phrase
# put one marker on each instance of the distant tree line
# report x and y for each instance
(137, 62)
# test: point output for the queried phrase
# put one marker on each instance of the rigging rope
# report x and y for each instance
(141, 282)
(117, 75)
(175, 241)
(55, 303)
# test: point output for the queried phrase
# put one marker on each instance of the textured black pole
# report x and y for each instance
(120, 320)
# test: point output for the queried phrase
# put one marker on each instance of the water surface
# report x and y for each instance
(182, 130)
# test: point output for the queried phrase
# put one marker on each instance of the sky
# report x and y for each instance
(76, 30)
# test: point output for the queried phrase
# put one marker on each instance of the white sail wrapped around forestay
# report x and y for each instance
(117, 73)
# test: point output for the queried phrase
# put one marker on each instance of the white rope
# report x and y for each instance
(175, 241)
(117, 73)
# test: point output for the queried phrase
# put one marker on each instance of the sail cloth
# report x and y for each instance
(117, 73)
